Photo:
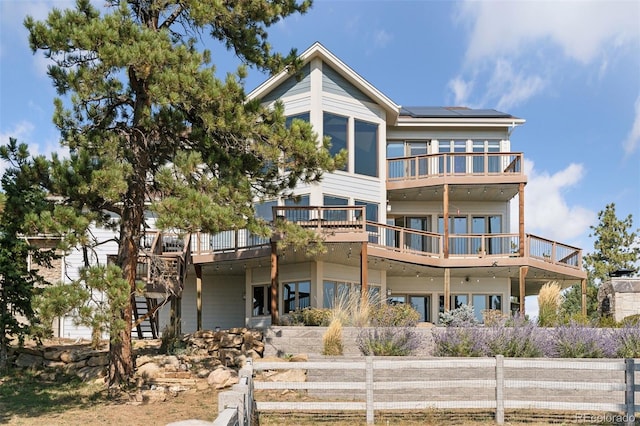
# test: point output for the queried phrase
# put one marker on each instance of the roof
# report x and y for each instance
(393, 110)
(317, 50)
(451, 112)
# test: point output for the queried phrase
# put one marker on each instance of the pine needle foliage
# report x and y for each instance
(149, 124)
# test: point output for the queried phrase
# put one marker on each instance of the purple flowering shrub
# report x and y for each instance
(460, 342)
(522, 339)
(577, 341)
(626, 340)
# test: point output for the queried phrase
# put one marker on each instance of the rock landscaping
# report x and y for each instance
(204, 359)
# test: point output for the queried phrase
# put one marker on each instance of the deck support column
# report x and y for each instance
(445, 219)
(583, 284)
(198, 269)
(364, 272)
(447, 289)
(275, 317)
(522, 276)
(521, 219)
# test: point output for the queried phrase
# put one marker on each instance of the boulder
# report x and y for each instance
(222, 377)
(52, 354)
(150, 370)
(26, 360)
(100, 360)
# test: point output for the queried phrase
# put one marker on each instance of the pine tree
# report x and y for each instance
(149, 125)
(616, 246)
(23, 199)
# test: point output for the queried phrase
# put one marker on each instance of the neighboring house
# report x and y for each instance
(420, 214)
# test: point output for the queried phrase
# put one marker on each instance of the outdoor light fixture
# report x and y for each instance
(388, 292)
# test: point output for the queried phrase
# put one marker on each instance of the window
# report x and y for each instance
(482, 302)
(457, 300)
(298, 201)
(261, 300)
(333, 291)
(264, 210)
(486, 225)
(366, 148)
(457, 225)
(492, 164)
(303, 116)
(296, 295)
(338, 214)
(422, 304)
(371, 214)
(335, 127)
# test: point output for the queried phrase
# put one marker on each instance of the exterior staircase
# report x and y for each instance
(162, 267)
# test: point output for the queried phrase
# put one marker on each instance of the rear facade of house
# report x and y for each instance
(429, 210)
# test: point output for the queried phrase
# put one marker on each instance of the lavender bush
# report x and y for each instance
(577, 341)
(392, 332)
(523, 340)
(388, 341)
(627, 341)
(460, 342)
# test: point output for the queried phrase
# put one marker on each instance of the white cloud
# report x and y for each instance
(461, 91)
(381, 38)
(519, 47)
(547, 212)
(21, 131)
(584, 30)
(632, 141)
(512, 88)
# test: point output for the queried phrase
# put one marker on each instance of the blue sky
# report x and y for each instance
(570, 68)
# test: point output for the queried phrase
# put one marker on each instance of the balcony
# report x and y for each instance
(347, 224)
(455, 168)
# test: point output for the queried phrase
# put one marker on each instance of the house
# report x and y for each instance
(420, 214)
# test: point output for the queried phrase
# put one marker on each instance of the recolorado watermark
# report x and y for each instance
(605, 418)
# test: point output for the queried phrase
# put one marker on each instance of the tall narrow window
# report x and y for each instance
(303, 116)
(335, 127)
(261, 300)
(371, 215)
(366, 148)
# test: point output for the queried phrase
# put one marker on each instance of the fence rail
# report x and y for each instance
(607, 385)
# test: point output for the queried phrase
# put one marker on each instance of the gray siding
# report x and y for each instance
(291, 86)
(334, 83)
(222, 303)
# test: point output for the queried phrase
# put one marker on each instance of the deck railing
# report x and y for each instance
(455, 164)
(344, 219)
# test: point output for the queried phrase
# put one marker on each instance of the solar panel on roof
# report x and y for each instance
(451, 112)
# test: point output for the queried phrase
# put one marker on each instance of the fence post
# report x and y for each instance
(499, 389)
(630, 390)
(369, 388)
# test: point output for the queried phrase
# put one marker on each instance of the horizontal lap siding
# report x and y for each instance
(74, 261)
(334, 83)
(353, 187)
(291, 86)
(222, 303)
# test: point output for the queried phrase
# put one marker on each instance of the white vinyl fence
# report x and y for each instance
(371, 384)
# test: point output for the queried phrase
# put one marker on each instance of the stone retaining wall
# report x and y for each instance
(284, 340)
